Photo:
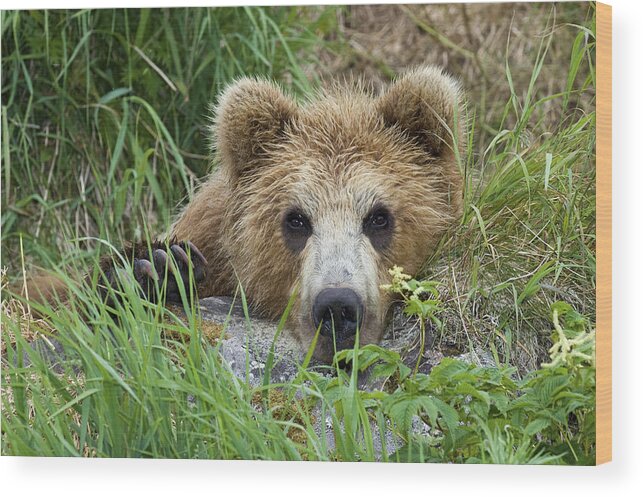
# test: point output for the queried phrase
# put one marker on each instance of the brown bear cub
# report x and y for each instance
(320, 199)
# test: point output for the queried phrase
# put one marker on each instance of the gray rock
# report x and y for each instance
(248, 340)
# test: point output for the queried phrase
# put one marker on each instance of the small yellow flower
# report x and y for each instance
(564, 349)
(398, 275)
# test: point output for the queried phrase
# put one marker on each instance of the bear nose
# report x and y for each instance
(340, 308)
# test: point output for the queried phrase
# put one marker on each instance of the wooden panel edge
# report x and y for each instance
(604, 233)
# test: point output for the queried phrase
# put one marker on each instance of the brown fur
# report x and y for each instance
(43, 287)
(342, 151)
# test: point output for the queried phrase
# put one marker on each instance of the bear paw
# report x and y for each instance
(159, 267)
(175, 262)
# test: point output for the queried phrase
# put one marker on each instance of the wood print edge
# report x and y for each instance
(604, 233)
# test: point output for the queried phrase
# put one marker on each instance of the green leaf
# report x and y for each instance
(113, 95)
(536, 426)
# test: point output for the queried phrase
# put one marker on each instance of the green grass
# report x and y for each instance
(148, 384)
(527, 236)
(103, 124)
(106, 115)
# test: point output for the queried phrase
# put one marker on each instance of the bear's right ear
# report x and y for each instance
(251, 115)
(425, 104)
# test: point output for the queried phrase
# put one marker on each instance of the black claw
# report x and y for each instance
(160, 259)
(145, 267)
(198, 253)
(180, 253)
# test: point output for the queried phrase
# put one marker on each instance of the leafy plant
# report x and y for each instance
(420, 299)
(479, 414)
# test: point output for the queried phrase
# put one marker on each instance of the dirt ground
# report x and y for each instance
(473, 42)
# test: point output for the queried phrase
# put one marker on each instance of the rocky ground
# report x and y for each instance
(247, 340)
(247, 343)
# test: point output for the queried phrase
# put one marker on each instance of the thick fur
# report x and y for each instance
(334, 158)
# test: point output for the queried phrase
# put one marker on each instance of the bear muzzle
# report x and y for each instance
(339, 310)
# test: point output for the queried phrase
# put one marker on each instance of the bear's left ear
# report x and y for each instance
(251, 115)
(425, 104)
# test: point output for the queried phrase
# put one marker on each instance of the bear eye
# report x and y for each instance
(296, 221)
(378, 226)
(379, 220)
(296, 229)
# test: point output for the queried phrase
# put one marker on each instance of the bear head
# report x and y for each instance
(328, 195)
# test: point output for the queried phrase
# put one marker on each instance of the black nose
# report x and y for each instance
(338, 308)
